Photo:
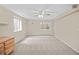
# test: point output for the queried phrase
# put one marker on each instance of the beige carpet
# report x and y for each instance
(42, 45)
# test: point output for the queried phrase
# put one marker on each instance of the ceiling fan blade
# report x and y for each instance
(35, 14)
(47, 14)
(37, 11)
(49, 11)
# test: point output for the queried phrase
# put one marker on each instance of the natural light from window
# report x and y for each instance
(17, 24)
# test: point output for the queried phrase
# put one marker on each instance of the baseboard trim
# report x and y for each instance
(67, 45)
(21, 40)
(40, 35)
(28, 36)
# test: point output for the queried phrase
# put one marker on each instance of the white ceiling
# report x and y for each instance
(27, 10)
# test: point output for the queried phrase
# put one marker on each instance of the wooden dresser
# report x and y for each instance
(1, 47)
(7, 45)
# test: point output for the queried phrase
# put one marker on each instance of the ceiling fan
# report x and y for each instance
(42, 13)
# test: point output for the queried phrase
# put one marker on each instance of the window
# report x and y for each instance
(17, 24)
(44, 25)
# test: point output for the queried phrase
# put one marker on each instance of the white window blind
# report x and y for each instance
(17, 24)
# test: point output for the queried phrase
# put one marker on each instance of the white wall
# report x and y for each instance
(67, 30)
(8, 30)
(28, 27)
(34, 28)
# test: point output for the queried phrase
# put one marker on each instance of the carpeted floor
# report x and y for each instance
(42, 45)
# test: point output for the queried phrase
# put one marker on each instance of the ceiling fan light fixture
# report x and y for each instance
(40, 16)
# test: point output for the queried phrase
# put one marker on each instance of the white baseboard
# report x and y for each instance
(69, 46)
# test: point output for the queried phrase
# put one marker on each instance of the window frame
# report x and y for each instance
(17, 24)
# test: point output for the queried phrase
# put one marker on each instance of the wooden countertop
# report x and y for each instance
(3, 39)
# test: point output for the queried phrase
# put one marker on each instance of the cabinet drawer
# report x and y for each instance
(8, 51)
(9, 41)
(9, 45)
(1, 45)
(1, 48)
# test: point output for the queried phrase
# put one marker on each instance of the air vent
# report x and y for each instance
(75, 6)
